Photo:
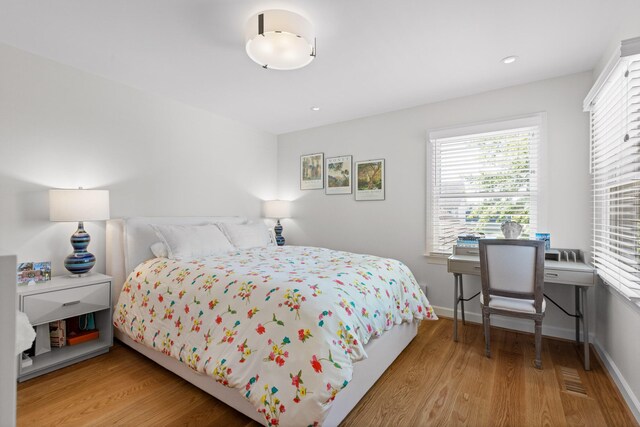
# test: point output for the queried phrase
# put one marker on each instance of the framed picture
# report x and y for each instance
(370, 180)
(36, 271)
(339, 174)
(311, 171)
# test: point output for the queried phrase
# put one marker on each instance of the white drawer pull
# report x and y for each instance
(66, 304)
(551, 274)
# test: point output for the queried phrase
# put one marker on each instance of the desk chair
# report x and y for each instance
(512, 273)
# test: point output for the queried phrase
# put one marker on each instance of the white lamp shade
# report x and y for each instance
(278, 209)
(78, 205)
(280, 40)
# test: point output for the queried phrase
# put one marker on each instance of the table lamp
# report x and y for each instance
(277, 209)
(79, 205)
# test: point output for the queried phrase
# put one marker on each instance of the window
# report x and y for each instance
(479, 176)
(615, 170)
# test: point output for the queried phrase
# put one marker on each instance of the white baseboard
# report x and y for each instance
(632, 400)
(513, 323)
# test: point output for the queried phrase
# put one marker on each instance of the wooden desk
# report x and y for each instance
(577, 274)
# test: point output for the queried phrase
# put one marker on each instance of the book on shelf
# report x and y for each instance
(58, 333)
(546, 238)
(83, 336)
(469, 240)
(81, 329)
(72, 331)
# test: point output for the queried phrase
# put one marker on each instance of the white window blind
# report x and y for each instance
(615, 169)
(481, 177)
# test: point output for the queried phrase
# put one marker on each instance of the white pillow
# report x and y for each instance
(245, 236)
(192, 241)
(159, 250)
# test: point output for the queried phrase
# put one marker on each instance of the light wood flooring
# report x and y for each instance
(433, 382)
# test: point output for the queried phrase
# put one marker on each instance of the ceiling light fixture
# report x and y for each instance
(280, 40)
(315, 108)
(509, 59)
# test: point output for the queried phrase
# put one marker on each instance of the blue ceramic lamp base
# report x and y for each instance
(278, 231)
(80, 261)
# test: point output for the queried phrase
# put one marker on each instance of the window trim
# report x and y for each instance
(532, 119)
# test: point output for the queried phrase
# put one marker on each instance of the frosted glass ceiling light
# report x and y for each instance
(280, 40)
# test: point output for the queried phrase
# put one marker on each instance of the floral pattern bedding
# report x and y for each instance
(282, 325)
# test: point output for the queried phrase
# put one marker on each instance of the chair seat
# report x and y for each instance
(513, 304)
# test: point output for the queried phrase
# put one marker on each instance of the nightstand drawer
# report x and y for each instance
(55, 305)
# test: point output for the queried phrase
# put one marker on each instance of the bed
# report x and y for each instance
(276, 333)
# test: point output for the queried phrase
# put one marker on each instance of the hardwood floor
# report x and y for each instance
(434, 382)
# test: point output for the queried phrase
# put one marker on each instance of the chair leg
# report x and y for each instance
(486, 320)
(538, 361)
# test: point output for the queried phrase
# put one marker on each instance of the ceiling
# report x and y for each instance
(373, 55)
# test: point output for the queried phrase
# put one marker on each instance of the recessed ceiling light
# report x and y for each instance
(509, 59)
(315, 108)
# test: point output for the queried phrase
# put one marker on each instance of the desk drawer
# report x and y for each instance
(464, 267)
(583, 278)
(56, 305)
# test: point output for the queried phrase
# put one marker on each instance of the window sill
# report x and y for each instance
(633, 303)
(437, 259)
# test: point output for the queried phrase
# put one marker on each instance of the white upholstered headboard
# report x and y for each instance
(129, 241)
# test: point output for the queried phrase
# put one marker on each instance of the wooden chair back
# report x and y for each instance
(512, 268)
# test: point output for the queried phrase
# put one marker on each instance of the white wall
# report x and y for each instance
(60, 127)
(396, 227)
(617, 342)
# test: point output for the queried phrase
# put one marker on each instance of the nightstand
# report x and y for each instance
(65, 297)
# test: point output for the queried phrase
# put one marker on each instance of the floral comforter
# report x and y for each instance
(282, 325)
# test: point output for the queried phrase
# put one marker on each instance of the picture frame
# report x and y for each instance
(36, 271)
(370, 180)
(339, 175)
(312, 171)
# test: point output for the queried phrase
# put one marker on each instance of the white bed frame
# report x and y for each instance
(128, 242)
